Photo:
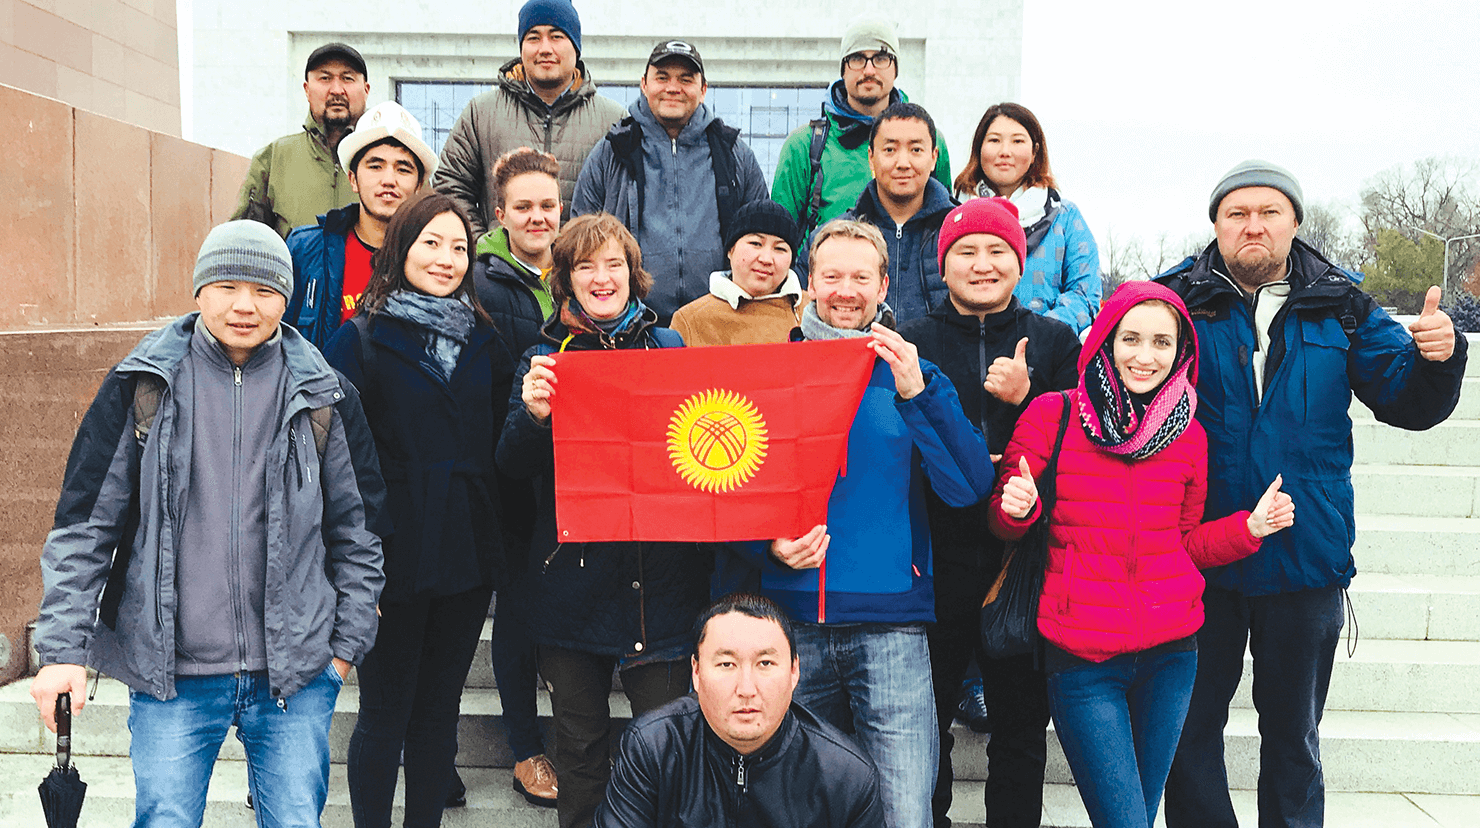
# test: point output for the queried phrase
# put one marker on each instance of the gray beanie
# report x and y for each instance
(1255, 173)
(244, 251)
(870, 32)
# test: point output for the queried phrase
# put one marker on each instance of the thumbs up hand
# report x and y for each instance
(1274, 511)
(1007, 379)
(1433, 331)
(1020, 494)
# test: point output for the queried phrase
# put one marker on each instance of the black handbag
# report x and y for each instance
(1009, 616)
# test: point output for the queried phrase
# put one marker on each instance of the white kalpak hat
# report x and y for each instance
(388, 120)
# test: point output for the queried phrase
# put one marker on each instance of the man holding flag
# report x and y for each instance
(859, 586)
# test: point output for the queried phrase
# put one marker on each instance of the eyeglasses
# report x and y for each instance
(858, 60)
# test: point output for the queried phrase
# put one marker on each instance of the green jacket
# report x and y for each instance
(293, 181)
(845, 170)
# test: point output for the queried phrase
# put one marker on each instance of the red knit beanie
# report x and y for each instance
(996, 216)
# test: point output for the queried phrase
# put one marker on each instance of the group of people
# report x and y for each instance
(401, 347)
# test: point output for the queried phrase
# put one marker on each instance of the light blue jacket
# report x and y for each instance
(1061, 277)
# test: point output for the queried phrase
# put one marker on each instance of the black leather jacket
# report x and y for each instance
(673, 770)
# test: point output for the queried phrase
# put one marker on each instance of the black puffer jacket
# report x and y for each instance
(617, 598)
(967, 556)
(672, 769)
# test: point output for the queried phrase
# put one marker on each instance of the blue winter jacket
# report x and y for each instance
(1061, 276)
(915, 285)
(676, 196)
(318, 274)
(1329, 341)
(878, 566)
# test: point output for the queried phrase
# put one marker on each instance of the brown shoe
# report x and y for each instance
(535, 778)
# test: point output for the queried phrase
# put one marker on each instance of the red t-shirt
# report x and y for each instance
(356, 274)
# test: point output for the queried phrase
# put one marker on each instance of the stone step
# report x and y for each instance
(1419, 491)
(1417, 607)
(1468, 407)
(1395, 676)
(1433, 753)
(1363, 751)
(492, 802)
(1452, 443)
(1410, 545)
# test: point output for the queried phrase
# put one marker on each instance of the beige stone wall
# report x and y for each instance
(99, 229)
(118, 58)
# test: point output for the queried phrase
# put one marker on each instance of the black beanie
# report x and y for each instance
(764, 216)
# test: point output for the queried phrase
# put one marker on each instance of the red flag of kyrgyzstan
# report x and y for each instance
(724, 443)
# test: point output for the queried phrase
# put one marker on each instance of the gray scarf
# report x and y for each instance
(813, 328)
(446, 323)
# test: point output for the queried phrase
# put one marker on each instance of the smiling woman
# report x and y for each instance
(434, 376)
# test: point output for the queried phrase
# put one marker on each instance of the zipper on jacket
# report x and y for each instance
(898, 232)
(234, 575)
(742, 779)
(544, 567)
(981, 352)
(549, 122)
(293, 454)
(822, 592)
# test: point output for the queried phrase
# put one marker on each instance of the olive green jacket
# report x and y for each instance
(293, 181)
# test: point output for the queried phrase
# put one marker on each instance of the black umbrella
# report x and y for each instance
(62, 790)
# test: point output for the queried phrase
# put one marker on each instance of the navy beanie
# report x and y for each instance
(558, 13)
(764, 216)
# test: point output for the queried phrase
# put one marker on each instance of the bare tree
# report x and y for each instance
(1135, 258)
(1437, 195)
(1326, 229)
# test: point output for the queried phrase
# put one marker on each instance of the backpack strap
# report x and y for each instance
(814, 181)
(727, 194)
(368, 358)
(148, 391)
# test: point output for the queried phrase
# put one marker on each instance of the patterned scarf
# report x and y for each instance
(1135, 425)
(445, 322)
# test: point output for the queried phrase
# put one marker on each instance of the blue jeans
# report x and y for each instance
(1293, 638)
(1118, 722)
(173, 746)
(873, 680)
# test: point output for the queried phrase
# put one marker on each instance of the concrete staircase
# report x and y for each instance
(1400, 740)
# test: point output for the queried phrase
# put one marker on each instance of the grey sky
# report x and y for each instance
(1146, 104)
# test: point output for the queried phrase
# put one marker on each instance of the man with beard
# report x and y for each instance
(1286, 339)
(297, 178)
(545, 99)
(824, 166)
(387, 162)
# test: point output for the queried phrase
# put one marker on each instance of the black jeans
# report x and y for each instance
(1017, 706)
(580, 690)
(411, 685)
(1293, 638)
(515, 670)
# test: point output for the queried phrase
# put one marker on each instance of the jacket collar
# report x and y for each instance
(317, 133)
(1314, 280)
(853, 126)
(554, 330)
(773, 747)
(932, 212)
(946, 312)
(692, 132)
(722, 286)
(309, 374)
(341, 221)
(511, 80)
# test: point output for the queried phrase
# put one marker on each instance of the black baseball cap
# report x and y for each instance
(676, 49)
(336, 51)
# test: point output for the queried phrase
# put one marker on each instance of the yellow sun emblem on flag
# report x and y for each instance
(716, 440)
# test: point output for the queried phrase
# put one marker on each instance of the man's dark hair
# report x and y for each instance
(903, 111)
(750, 605)
(354, 163)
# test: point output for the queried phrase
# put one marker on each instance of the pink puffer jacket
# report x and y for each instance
(1126, 538)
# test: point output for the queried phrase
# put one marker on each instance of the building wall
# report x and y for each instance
(959, 56)
(114, 57)
(99, 230)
